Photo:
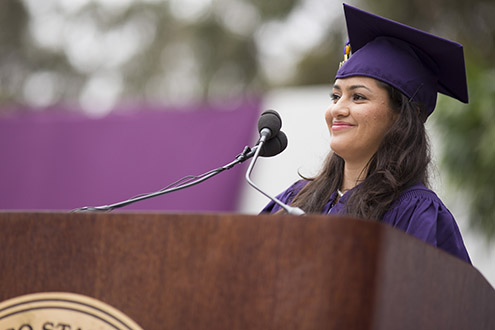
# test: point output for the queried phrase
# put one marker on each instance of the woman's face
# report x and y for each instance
(358, 118)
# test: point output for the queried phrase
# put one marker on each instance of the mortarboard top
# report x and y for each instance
(417, 63)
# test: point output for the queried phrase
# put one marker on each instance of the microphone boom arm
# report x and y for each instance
(246, 154)
(269, 127)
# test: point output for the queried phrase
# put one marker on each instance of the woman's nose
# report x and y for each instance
(338, 109)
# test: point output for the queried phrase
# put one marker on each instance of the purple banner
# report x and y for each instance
(61, 161)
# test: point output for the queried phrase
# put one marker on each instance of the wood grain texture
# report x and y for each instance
(226, 271)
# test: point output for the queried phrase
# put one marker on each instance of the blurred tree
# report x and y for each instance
(13, 20)
(97, 53)
(469, 144)
(320, 65)
(24, 66)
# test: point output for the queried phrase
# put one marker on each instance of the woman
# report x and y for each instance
(378, 167)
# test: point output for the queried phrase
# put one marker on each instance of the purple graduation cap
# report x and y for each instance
(417, 63)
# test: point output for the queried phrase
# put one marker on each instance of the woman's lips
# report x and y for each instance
(340, 125)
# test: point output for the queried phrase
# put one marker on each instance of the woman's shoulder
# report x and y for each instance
(297, 186)
(418, 190)
(285, 196)
(421, 213)
(417, 201)
(289, 193)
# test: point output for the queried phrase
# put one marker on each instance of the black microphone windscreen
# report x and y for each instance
(270, 119)
(275, 145)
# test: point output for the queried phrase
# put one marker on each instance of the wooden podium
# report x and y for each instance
(226, 271)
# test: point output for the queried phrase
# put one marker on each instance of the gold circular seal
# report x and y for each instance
(61, 311)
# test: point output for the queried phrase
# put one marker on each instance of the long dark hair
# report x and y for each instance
(402, 160)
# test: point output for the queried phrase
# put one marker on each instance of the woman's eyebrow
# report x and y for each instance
(353, 87)
(359, 86)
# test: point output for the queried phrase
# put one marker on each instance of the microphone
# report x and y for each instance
(270, 148)
(274, 146)
(268, 123)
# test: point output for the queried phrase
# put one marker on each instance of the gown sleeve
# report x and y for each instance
(422, 214)
(285, 197)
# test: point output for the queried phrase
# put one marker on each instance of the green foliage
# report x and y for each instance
(13, 19)
(170, 50)
(274, 9)
(469, 145)
(321, 64)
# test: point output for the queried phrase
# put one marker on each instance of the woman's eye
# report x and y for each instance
(359, 97)
(334, 97)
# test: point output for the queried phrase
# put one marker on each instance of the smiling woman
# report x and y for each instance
(358, 118)
(378, 166)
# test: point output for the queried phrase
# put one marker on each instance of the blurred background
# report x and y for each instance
(101, 100)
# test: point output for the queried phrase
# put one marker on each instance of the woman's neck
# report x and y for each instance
(353, 175)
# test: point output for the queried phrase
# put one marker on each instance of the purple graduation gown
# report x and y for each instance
(418, 212)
